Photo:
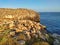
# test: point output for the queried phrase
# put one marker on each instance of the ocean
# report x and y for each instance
(51, 20)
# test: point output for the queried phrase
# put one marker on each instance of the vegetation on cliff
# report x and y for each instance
(23, 28)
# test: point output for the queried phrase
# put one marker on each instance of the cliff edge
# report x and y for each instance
(22, 27)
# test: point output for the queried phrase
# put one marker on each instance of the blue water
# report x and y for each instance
(51, 20)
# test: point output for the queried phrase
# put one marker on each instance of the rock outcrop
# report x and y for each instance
(22, 27)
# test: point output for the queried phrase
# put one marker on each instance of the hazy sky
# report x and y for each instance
(38, 5)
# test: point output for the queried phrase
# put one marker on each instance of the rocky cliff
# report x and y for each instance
(22, 27)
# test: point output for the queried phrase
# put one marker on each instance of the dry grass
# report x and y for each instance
(24, 14)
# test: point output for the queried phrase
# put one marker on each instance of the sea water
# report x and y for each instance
(51, 20)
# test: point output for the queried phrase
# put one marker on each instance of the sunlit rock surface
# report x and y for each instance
(22, 27)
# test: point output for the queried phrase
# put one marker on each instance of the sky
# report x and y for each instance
(38, 5)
